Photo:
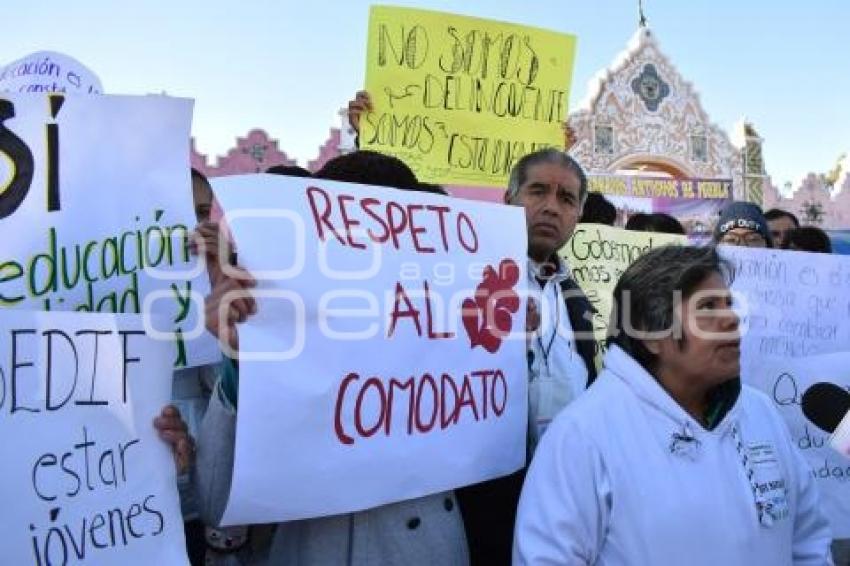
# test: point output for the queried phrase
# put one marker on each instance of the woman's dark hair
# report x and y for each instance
(777, 213)
(432, 188)
(598, 210)
(809, 239)
(656, 222)
(288, 170)
(196, 174)
(644, 299)
(637, 222)
(665, 224)
(369, 168)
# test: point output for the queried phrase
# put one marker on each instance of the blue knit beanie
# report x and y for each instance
(741, 214)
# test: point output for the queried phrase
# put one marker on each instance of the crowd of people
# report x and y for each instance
(647, 459)
(783, 228)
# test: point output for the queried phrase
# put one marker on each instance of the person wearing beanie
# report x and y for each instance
(742, 224)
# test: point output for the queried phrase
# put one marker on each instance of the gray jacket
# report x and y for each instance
(427, 531)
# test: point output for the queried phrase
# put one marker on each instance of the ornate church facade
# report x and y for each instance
(641, 116)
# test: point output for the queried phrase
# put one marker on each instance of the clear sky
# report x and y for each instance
(288, 66)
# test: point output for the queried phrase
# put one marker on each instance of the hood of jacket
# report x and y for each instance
(723, 402)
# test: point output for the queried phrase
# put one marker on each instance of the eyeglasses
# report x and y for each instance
(751, 240)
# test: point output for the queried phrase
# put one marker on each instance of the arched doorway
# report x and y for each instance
(652, 166)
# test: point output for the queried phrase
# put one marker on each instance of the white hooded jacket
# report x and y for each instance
(625, 476)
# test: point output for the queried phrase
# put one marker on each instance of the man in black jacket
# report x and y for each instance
(552, 187)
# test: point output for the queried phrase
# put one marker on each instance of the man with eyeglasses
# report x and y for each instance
(742, 224)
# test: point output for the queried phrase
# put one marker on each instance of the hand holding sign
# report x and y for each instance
(361, 104)
(229, 302)
(209, 239)
(174, 431)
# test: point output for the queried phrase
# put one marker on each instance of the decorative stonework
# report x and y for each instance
(604, 140)
(654, 115)
(814, 203)
(650, 87)
(699, 148)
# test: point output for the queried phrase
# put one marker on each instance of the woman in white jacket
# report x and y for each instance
(667, 459)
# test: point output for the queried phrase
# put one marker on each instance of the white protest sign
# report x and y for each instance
(95, 210)
(798, 302)
(85, 478)
(48, 71)
(785, 382)
(796, 332)
(361, 381)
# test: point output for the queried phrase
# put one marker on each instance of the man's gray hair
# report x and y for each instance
(519, 174)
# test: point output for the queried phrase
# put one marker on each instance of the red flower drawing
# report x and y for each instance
(487, 316)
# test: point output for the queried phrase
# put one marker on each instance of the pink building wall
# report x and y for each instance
(815, 203)
(254, 153)
(327, 151)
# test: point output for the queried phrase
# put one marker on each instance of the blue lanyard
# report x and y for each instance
(548, 349)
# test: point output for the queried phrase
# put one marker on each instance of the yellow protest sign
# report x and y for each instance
(598, 255)
(461, 99)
